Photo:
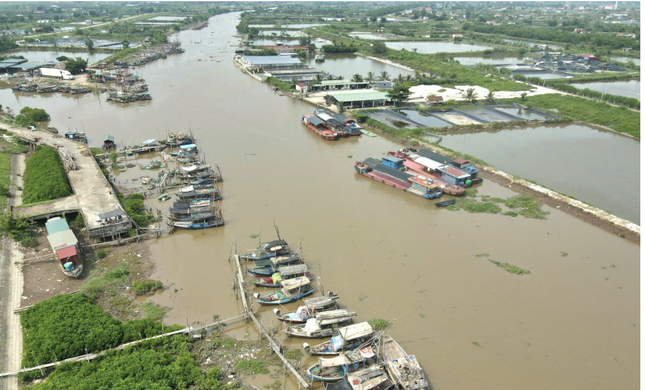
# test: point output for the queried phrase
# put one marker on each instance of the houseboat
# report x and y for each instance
(65, 246)
(422, 166)
(352, 128)
(332, 123)
(385, 173)
(271, 265)
(319, 127)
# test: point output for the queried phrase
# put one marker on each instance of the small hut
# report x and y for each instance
(108, 143)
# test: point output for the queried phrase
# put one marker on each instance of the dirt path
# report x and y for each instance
(11, 284)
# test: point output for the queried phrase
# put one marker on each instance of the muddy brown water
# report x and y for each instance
(573, 323)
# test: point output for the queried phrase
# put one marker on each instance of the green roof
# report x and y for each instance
(359, 95)
(108, 138)
(32, 65)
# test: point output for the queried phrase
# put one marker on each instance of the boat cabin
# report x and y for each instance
(454, 176)
(331, 122)
(465, 166)
(108, 143)
(315, 122)
(68, 257)
(76, 136)
(392, 162)
(425, 186)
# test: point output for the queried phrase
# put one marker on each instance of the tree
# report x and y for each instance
(357, 78)
(370, 77)
(490, 98)
(76, 66)
(318, 79)
(62, 58)
(294, 80)
(383, 20)
(523, 96)
(399, 93)
(385, 76)
(304, 41)
(471, 96)
(89, 44)
(379, 47)
(125, 43)
(35, 114)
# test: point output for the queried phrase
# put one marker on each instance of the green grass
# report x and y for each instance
(511, 268)
(526, 206)
(108, 283)
(580, 109)
(510, 213)
(293, 354)
(473, 206)
(45, 177)
(153, 311)
(379, 324)
(252, 367)
(5, 170)
(484, 254)
(147, 287)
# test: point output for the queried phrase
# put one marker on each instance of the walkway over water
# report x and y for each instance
(92, 192)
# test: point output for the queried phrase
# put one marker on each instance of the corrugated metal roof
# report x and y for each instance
(64, 253)
(315, 121)
(454, 172)
(56, 225)
(355, 331)
(12, 61)
(359, 95)
(393, 159)
(426, 162)
(271, 60)
(392, 172)
(434, 156)
(60, 239)
(32, 65)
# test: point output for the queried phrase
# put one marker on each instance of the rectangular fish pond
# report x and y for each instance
(595, 166)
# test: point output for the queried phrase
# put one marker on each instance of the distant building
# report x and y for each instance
(579, 30)
(434, 99)
(301, 87)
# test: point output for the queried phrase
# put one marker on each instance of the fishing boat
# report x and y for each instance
(322, 325)
(65, 246)
(283, 273)
(291, 291)
(311, 307)
(344, 339)
(445, 203)
(267, 267)
(337, 368)
(319, 127)
(268, 249)
(197, 224)
(367, 133)
(371, 378)
(163, 197)
(404, 369)
(319, 58)
(154, 164)
(212, 193)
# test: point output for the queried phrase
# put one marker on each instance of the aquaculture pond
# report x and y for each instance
(278, 42)
(631, 88)
(347, 65)
(522, 113)
(269, 33)
(42, 55)
(596, 166)
(425, 120)
(533, 43)
(637, 61)
(436, 47)
(471, 61)
(545, 76)
(366, 35)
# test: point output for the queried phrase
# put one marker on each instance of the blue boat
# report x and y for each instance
(283, 273)
(291, 291)
(194, 225)
(202, 181)
(336, 368)
(267, 267)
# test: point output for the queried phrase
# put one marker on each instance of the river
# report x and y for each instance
(573, 323)
(631, 88)
(595, 166)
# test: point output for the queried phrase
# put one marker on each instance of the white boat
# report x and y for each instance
(404, 369)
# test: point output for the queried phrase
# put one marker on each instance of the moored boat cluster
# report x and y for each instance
(421, 172)
(331, 126)
(356, 355)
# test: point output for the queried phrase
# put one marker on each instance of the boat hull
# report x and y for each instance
(324, 134)
(294, 298)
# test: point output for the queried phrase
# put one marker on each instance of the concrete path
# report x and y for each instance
(92, 191)
(11, 283)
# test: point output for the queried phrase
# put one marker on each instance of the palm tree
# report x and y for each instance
(490, 98)
(294, 80)
(319, 79)
(418, 75)
(400, 78)
(385, 76)
(408, 78)
(357, 78)
(370, 77)
(471, 96)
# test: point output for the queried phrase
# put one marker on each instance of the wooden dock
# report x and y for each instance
(276, 348)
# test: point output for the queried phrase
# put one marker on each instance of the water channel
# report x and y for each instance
(637, 61)
(631, 88)
(387, 253)
(347, 65)
(436, 47)
(595, 166)
(470, 61)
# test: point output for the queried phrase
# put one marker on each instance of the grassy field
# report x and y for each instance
(5, 160)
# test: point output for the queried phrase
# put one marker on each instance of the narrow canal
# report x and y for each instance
(573, 323)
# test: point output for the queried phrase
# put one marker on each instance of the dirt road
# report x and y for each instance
(11, 282)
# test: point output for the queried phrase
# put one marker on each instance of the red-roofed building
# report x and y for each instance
(301, 87)
(589, 56)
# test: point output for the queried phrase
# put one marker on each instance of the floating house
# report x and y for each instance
(454, 176)
(65, 246)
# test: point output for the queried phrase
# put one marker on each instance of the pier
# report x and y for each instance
(93, 196)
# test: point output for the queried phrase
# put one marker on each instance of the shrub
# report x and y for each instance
(23, 120)
(35, 114)
(101, 254)
(147, 287)
(108, 283)
(45, 178)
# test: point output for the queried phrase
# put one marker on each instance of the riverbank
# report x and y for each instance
(574, 207)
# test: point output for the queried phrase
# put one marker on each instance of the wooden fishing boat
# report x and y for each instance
(367, 133)
(163, 197)
(267, 250)
(371, 378)
(445, 203)
(197, 224)
(270, 266)
(337, 368)
(311, 307)
(404, 369)
(283, 273)
(322, 325)
(343, 339)
(319, 127)
(211, 193)
(291, 291)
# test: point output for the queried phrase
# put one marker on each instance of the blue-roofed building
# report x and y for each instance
(273, 62)
(392, 161)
